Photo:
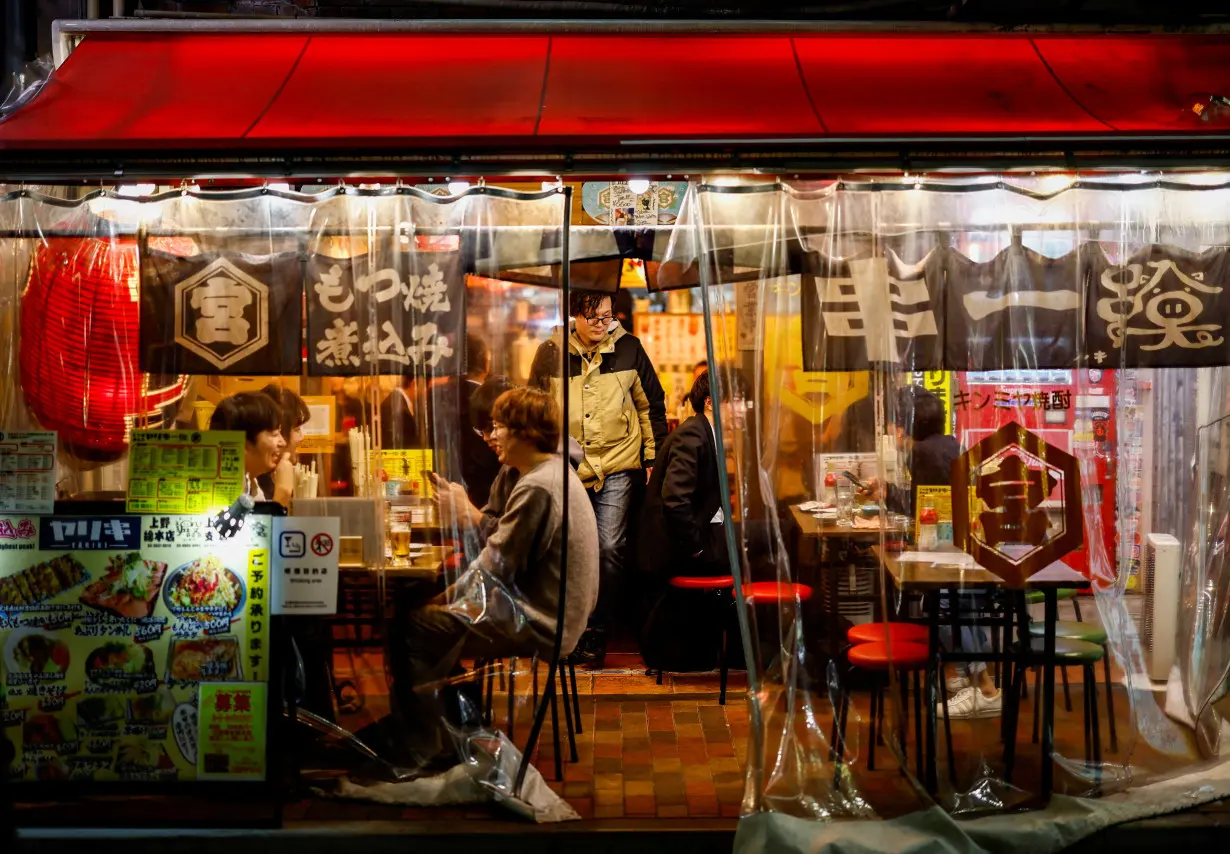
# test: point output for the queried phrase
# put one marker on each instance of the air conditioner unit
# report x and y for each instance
(1159, 622)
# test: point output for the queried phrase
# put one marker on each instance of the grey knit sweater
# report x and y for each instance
(524, 551)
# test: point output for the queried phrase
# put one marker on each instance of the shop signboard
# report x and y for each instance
(112, 632)
(27, 471)
(396, 313)
(212, 314)
(184, 471)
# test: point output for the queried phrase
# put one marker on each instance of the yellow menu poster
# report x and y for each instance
(109, 628)
(407, 466)
(939, 497)
(184, 471)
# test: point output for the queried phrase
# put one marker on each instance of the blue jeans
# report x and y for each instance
(973, 638)
(610, 505)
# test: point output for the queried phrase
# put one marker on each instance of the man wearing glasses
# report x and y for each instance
(617, 413)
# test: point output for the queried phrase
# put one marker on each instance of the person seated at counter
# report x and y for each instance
(398, 423)
(930, 453)
(507, 603)
(295, 414)
(681, 522)
(683, 534)
(260, 420)
(453, 500)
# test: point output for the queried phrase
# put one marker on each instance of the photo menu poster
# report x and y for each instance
(109, 628)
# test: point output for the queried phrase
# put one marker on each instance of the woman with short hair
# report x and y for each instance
(260, 420)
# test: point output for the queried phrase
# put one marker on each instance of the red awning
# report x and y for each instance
(296, 92)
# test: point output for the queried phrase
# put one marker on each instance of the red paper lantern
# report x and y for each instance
(79, 338)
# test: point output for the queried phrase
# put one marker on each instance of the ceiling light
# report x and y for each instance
(639, 185)
(456, 188)
(136, 189)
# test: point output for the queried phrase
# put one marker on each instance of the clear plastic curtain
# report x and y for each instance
(380, 323)
(896, 326)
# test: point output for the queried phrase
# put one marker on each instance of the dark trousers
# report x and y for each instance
(426, 650)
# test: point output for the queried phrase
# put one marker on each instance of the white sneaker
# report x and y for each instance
(957, 684)
(972, 703)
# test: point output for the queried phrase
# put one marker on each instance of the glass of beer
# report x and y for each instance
(399, 539)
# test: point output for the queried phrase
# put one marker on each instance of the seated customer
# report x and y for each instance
(930, 455)
(260, 420)
(453, 499)
(507, 603)
(681, 523)
(294, 415)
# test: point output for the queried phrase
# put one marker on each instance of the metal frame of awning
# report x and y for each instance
(786, 157)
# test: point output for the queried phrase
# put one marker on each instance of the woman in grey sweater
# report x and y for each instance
(507, 602)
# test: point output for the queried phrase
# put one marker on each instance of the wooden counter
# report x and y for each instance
(912, 576)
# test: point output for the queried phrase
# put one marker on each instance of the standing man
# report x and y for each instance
(617, 413)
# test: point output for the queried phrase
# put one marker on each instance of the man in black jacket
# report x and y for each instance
(681, 524)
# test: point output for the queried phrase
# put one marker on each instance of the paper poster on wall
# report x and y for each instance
(184, 471)
(232, 737)
(406, 465)
(109, 628)
(27, 471)
(305, 560)
(318, 431)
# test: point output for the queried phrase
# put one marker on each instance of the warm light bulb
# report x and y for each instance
(456, 188)
(638, 185)
(136, 189)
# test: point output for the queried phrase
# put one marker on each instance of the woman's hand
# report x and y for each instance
(872, 488)
(284, 481)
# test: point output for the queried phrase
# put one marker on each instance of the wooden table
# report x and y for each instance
(929, 580)
(810, 526)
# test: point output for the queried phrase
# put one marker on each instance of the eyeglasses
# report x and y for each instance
(605, 320)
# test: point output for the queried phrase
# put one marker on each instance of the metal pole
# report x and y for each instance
(548, 695)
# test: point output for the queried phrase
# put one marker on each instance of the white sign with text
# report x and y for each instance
(305, 551)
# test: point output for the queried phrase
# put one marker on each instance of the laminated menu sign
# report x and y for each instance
(109, 628)
(184, 471)
(27, 472)
(232, 732)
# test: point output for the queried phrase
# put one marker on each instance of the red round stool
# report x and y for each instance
(879, 632)
(704, 582)
(758, 592)
(713, 584)
(908, 658)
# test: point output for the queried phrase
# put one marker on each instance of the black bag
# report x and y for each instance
(684, 630)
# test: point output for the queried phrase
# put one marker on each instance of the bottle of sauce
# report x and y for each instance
(928, 527)
(830, 489)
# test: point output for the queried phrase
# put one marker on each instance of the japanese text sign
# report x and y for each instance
(305, 560)
(184, 471)
(396, 313)
(27, 472)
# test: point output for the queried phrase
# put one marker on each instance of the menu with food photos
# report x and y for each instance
(109, 628)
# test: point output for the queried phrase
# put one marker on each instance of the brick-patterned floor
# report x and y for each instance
(656, 758)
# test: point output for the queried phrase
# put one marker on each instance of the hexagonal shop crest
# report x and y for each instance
(222, 314)
(1008, 476)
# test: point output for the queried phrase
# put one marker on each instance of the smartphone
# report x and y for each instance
(854, 480)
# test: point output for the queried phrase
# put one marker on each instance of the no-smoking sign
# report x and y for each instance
(322, 545)
(305, 565)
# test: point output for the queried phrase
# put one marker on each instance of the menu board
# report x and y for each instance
(109, 628)
(406, 466)
(27, 471)
(184, 471)
(939, 497)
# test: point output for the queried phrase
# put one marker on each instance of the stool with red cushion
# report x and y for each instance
(881, 632)
(713, 585)
(907, 658)
(766, 592)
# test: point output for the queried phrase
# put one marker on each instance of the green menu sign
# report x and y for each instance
(184, 471)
